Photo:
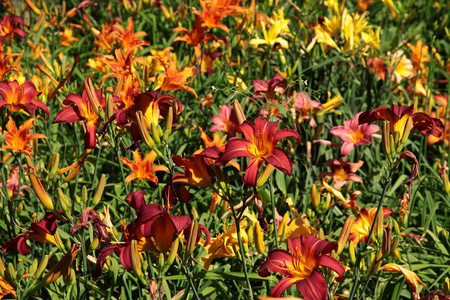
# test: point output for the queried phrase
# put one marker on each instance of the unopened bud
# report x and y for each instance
(446, 288)
(39, 22)
(136, 261)
(446, 183)
(408, 127)
(345, 233)
(143, 130)
(194, 213)
(169, 124)
(119, 86)
(264, 175)
(239, 112)
(379, 226)
(84, 195)
(172, 254)
(39, 189)
(259, 239)
(109, 106)
(351, 251)
(251, 233)
(2, 268)
(99, 192)
(41, 268)
(327, 202)
(12, 271)
(161, 261)
(53, 165)
(386, 139)
(386, 244)
(155, 132)
(62, 268)
(394, 244)
(315, 198)
(64, 202)
(94, 244)
(192, 241)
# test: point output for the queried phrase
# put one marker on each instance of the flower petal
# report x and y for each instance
(314, 287)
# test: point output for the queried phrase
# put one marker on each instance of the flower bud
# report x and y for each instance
(119, 85)
(84, 195)
(109, 106)
(99, 192)
(264, 175)
(379, 226)
(53, 165)
(192, 241)
(169, 124)
(351, 250)
(155, 132)
(239, 112)
(92, 96)
(446, 183)
(161, 261)
(41, 268)
(172, 254)
(386, 244)
(39, 22)
(194, 213)
(2, 268)
(408, 127)
(64, 202)
(251, 233)
(315, 198)
(143, 130)
(39, 189)
(12, 271)
(136, 261)
(61, 268)
(446, 288)
(345, 233)
(259, 239)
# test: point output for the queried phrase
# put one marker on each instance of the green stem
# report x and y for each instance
(191, 283)
(274, 217)
(241, 250)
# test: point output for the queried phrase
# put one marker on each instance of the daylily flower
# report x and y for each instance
(342, 171)
(197, 171)
(361, 228)
(173, 79)
(419, 55)
(42, 231)
(306, 107)
(411, 278)
(354, 134)
(398, 117)
(6, 289)
(67, 37)
(214, 11)
(195, 37)
(17, 97)
(300, 266)
(260, 144)
(9, 26)
(143, 169)
(272, 37)
(400, 67)
(225, 244)
(226, 121)
(82, 111)
(17, 140)
(377, 66)
(127, 38)
(270, 88)
(12, 184)
(436, 295)
(4, 61)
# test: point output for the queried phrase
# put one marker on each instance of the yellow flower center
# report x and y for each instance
(357, 136)
(341, 174)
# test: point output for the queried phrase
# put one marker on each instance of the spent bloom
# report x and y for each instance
(260, 144)
(354, 134)
(300, 266)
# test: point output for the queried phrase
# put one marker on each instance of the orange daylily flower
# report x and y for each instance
(121, 63)
(106, 36)
(10, 26)
(6, 289)
(361, 228)
(17, 140)
(143, 169)
(173, 80)
(67, 37)
(196, 171)
(214, 11)
(419, 55)
(4, 67)
(127, 37)
(195, 37)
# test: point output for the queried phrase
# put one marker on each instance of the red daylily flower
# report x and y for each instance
(18, 140)
(342, 171)
(260, 144)
(82, 111)
(4, 67)
(399, 115)
(42, 231)
(354, 134)
(143, 169)
(300, 266)
(9, 26)
(17, 97)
